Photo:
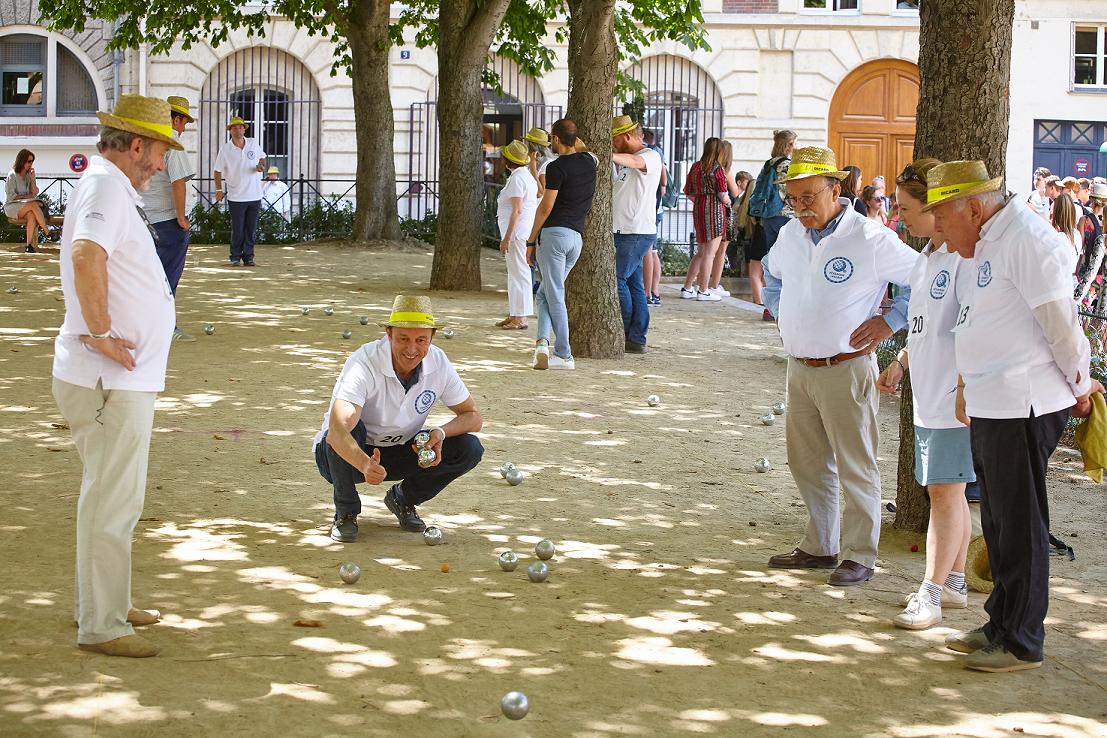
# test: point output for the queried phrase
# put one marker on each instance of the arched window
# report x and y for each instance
(34, 82)
(76, 95)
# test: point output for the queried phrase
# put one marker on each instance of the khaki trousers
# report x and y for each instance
(111, 429)
(832, 440)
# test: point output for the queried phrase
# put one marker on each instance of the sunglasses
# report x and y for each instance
(909, 174)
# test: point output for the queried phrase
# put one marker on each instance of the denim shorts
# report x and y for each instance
(943, 456)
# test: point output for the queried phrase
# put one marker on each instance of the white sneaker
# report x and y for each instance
(719, 291)
(707, 297)
(556, 362)
(918, 615)
(687, 294)
(951, 598)
(542, 356)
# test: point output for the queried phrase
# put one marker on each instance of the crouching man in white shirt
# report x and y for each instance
(1023, 362)
(380, 402)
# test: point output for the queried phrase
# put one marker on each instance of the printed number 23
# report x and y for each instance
(963, 316)
(916, 325)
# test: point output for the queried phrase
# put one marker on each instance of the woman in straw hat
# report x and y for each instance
(706, 187)
(516, 206)
(538, 147)
(943, 453)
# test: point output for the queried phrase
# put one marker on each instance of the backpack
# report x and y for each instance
(765, 201)
(672, 192)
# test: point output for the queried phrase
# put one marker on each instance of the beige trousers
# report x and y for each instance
(832, 440)
(111, 429)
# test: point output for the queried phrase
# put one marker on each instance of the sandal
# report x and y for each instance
(504, 322)
(513, 325)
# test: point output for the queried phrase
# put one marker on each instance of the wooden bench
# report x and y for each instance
(57, 221)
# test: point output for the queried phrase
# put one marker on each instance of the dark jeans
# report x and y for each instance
(244, 228)
(1014, 514)
(172, 247)
(630, 249)
(459, 455)
(772, 229)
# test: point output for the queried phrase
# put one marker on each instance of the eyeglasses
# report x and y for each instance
(806, 200)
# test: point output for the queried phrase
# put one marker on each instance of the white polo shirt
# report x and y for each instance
(830, 288)
(931, 315)
(634, 199)
(103, 208)
(239, 169)
(1020, 263)
(521, 183)
(391, 414)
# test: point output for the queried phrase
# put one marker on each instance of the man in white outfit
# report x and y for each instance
(237, 166)
(276, 194)
(109, 363)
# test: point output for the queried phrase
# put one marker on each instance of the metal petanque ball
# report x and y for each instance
(653, 400)
(768, 419)
(426, 457)
(422, 438)
(432, 536)
(209, 329)
(505, 468)
(328, 311)
(305, 311)
(538, 571)
(350, 573)
(514, 706)
(778, 408)
(347, 334)
(364, 319)
(514, 477)
(13, 290)
(509, 560)
(545, 550)
(447, 333)
(762, 465)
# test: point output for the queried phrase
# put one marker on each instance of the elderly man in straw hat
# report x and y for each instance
(1023, 363)
(380, 402)
(165, 206)
(239, 162)
(276, 194)
(109, 363)
(633, 211)
(825, 279)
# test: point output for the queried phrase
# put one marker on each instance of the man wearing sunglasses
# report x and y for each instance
(825, 280)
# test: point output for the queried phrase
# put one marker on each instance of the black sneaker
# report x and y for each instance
(248, 262)
(236, 262)
(345, 530)
(631, 347)
(29, 249)
(409, 519)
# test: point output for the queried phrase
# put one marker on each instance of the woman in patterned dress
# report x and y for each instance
(706, 186)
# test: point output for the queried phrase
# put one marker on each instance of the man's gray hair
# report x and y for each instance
(831, 181)
(116, 139)
(995, 197)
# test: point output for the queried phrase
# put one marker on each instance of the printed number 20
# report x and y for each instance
(391, 439)
(916, 325)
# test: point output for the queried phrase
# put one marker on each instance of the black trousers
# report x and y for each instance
(1014, 513)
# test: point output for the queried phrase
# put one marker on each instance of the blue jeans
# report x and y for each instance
(630, 249)
(772, 228)
(172, 247)
(459, 455)
(244, 227)
(556, 254)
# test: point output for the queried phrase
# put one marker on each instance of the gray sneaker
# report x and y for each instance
(179, 335)
(996, 658)
(968, 642)
(345, 530)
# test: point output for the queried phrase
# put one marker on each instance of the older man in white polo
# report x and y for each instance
(825, 280)
(1023, 361)
(109, 363)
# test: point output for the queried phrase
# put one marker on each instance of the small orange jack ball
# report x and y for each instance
(445, 567)
(914, 548)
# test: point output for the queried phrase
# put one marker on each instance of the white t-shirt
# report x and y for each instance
(157, 201)
(1002, 353)
(634, 199)
(520, 183)
(392, 416)
(276, 194)
(543, 165)
(103, 208)
(1040, 204)
(830, 288)
(931, 316)
(239, 169)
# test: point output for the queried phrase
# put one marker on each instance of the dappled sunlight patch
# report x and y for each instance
(1058, 724)
(660, 652)
(111, 707)
(784, 719)
(846, 639)
(399, 564)
(196, 544)
(778, 652)
(298, 691)
(405, 707)
(766, 618)
(670, 623)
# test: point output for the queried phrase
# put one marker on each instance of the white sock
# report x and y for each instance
(956, 581)
(931, 592)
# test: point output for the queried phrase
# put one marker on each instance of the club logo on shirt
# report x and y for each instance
(838, 270)
(250, 154)
(940, 285)
(424, 401)
(984, 274)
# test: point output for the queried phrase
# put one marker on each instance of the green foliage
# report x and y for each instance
(425, 229)
(674, 258)
(323, 218)
(636, 109)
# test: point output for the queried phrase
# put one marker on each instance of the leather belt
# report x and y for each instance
(833, 359)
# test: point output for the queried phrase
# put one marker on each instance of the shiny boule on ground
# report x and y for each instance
(350, 573)
(209, 329)
(762, 465)
(509, 560)
(545, 550)
(432, 536)
(347, 334)
(538, 571)
(768, 419)
(514, 477)
(447, 333)
(514, 706)
(328, 311)
(653, 400)
(364, 319)
(305, 311)
(505, 468)
(778, 408)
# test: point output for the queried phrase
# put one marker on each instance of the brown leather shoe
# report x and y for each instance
(143, 617)
(132, 646)
(850, 573)
(802, 560)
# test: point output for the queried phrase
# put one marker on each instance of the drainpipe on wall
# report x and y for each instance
(117, 64)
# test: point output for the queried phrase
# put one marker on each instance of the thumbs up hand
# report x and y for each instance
(375, 473)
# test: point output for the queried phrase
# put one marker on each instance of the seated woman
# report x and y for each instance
(20, 202)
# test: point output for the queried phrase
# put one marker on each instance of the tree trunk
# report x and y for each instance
(466, 30)
(963, 113)
(375, 127)
(595, 322)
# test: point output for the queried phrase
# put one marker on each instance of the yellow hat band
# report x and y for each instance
(536, 140)
(808, 167)
(507, 155)
(164, 129)
(180, 109)
(945, 191)
(412, 318)
(623, 129)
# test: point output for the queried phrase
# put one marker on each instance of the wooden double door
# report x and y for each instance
(872, 119)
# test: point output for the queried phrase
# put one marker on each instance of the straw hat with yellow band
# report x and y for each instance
(955, 180)
(236, 121)
(273, 170)
(146, 116)
(516, 152)
(538, 136)
(411, 312)
(812, 161)
(180, 105)
(622, 124)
